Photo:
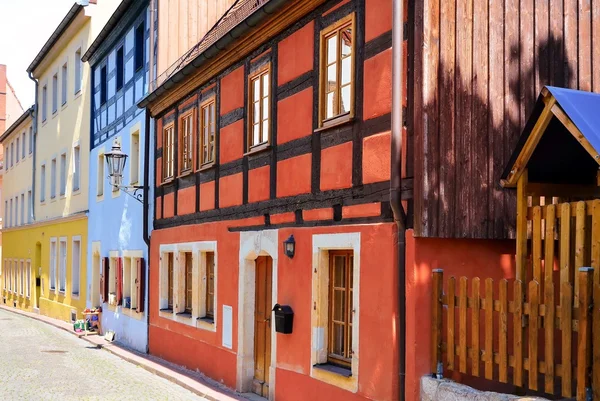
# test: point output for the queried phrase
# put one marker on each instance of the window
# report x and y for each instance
(76, 167)
(10, 216)
(30, 140)
(188, 288)
(139, 46)
(63, 174)
(44, 103)
(337, 72)
(78, 70)
(12, 153)
(22, 208)
(28, 282)
(112, 280)
(8, 156)
(54, 93)
(6, 272)
(16, 211)
(53, 179)
(18, 146)
(102, 85)
(186, 141)
(259, 103)
(8, 275)
(340, 308)
(62, 276)
(29, 206)
(64, 81)
(210, 285)
(120, 68)
(53, 263)
(206, 144)
(22, 278)
(43, 183)
(168, 152)
(5, 220)
(132, 287)
(170, 266)
(75, 266)
(134, 165)
(23, 141)
(100, 178)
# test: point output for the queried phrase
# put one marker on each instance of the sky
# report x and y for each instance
(25, 25)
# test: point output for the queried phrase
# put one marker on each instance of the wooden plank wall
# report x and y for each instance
(182, 24)
(479, 66)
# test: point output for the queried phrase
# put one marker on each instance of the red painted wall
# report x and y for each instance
(232, 91)
(296, 54)
(336, 167)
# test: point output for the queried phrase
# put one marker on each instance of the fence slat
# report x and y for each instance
(595, 256)
(549, 242)
(585, 278)
(462, 325)
(596, 341)
(566, 306)
(565, 235)
(580, 250)
(475, 294)
(503, 331)
(436, 324)
(518, 329)
(489, 329)
(549, 341)
(451, 321)
(537, 243)
(534, 303)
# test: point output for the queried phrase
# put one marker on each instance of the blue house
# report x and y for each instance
(119, 220)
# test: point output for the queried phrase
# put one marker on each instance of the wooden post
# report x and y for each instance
(549, 242)
(584, 340)
(566, 324)
(596, 294)
(462, 325)
(522, 227)
(518, 329)
(489, 329)
(580, 250)
(436, 324)
(549, 342)
(451, 322)
(536, 243)
(475, 326)
(534, 302)
(503, 332)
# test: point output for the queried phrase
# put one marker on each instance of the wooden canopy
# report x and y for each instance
(560, 143)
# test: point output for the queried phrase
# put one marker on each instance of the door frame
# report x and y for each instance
(252, 245)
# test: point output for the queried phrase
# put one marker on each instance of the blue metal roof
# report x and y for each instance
(583, 108)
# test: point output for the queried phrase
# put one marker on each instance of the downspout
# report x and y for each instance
(153, 5)
(396, 184)
(35, 125)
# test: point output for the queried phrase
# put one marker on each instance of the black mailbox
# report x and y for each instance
(284, 318)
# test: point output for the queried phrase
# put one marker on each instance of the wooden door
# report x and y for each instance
(262, 325)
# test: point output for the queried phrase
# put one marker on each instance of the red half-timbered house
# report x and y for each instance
(277, 127)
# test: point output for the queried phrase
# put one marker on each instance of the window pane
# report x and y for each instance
(346, 41)
(331, 77)
(265, 109)
(256, 112)
(256, 90)
(329, 107)
(346, 70)
(339, 305)
(255, 130)
(265, 80)
(332, 49)
(339, 272)
(345, 106)
(338, 339)
(265, 131)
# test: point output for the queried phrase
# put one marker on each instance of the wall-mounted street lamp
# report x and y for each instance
(289, 246)
(116, 159)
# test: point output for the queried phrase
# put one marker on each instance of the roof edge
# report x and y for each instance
(13, 127)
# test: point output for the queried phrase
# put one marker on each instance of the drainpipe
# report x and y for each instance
(396, 181)
(35, 125)
(153, 5)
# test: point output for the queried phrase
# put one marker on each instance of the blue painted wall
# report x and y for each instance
(116, 219)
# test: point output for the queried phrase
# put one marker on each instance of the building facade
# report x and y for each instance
(116, 251)
(58, 235)
(280, 134)
(18, 276)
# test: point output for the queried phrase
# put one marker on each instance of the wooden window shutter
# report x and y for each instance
(119, 280)
(104, 279)
(139, 284)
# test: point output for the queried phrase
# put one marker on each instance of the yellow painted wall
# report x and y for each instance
(33, 242)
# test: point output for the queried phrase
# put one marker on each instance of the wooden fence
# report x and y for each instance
(515, 333)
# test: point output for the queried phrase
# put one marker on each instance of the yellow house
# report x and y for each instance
(18, 277)
(57, 237)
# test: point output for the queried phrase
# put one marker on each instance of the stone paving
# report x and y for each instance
(40, 362)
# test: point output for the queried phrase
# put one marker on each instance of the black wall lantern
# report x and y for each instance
(289, 246)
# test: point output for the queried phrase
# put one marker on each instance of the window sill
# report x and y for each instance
(258, 149)
(77, 94)
(206, 166)
(185, 173)
(335, 123)
(184, 314)
(328, 367)
(167, 181)
(63, 106)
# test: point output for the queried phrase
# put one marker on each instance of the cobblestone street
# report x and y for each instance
(40, 362)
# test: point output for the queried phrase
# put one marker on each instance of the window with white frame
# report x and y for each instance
(29, 206)
(132, 275)
(63, 174)
(188, 277)
(334, 319)
(15, 276)
(23, 142)
(12, 154)
(5, 221)
(18, 148)
(52, 279)
(62, 276)
(16, 211)
(53, 179)
(75, 265)
(76, 167)
(64, 84)
(5, 274)
(54, 93)
(30, 140)
(28, 282)
(22, 208)
(10, 215)
(78, 70)
(44, 103)
(112, 279)
(134, 165)
(100, 177)
(43, 183)
(22, 277)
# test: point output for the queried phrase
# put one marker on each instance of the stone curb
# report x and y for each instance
(183, 378)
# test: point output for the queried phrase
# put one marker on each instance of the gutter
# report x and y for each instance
(396, 184)
(35, 128)
(230, 37)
